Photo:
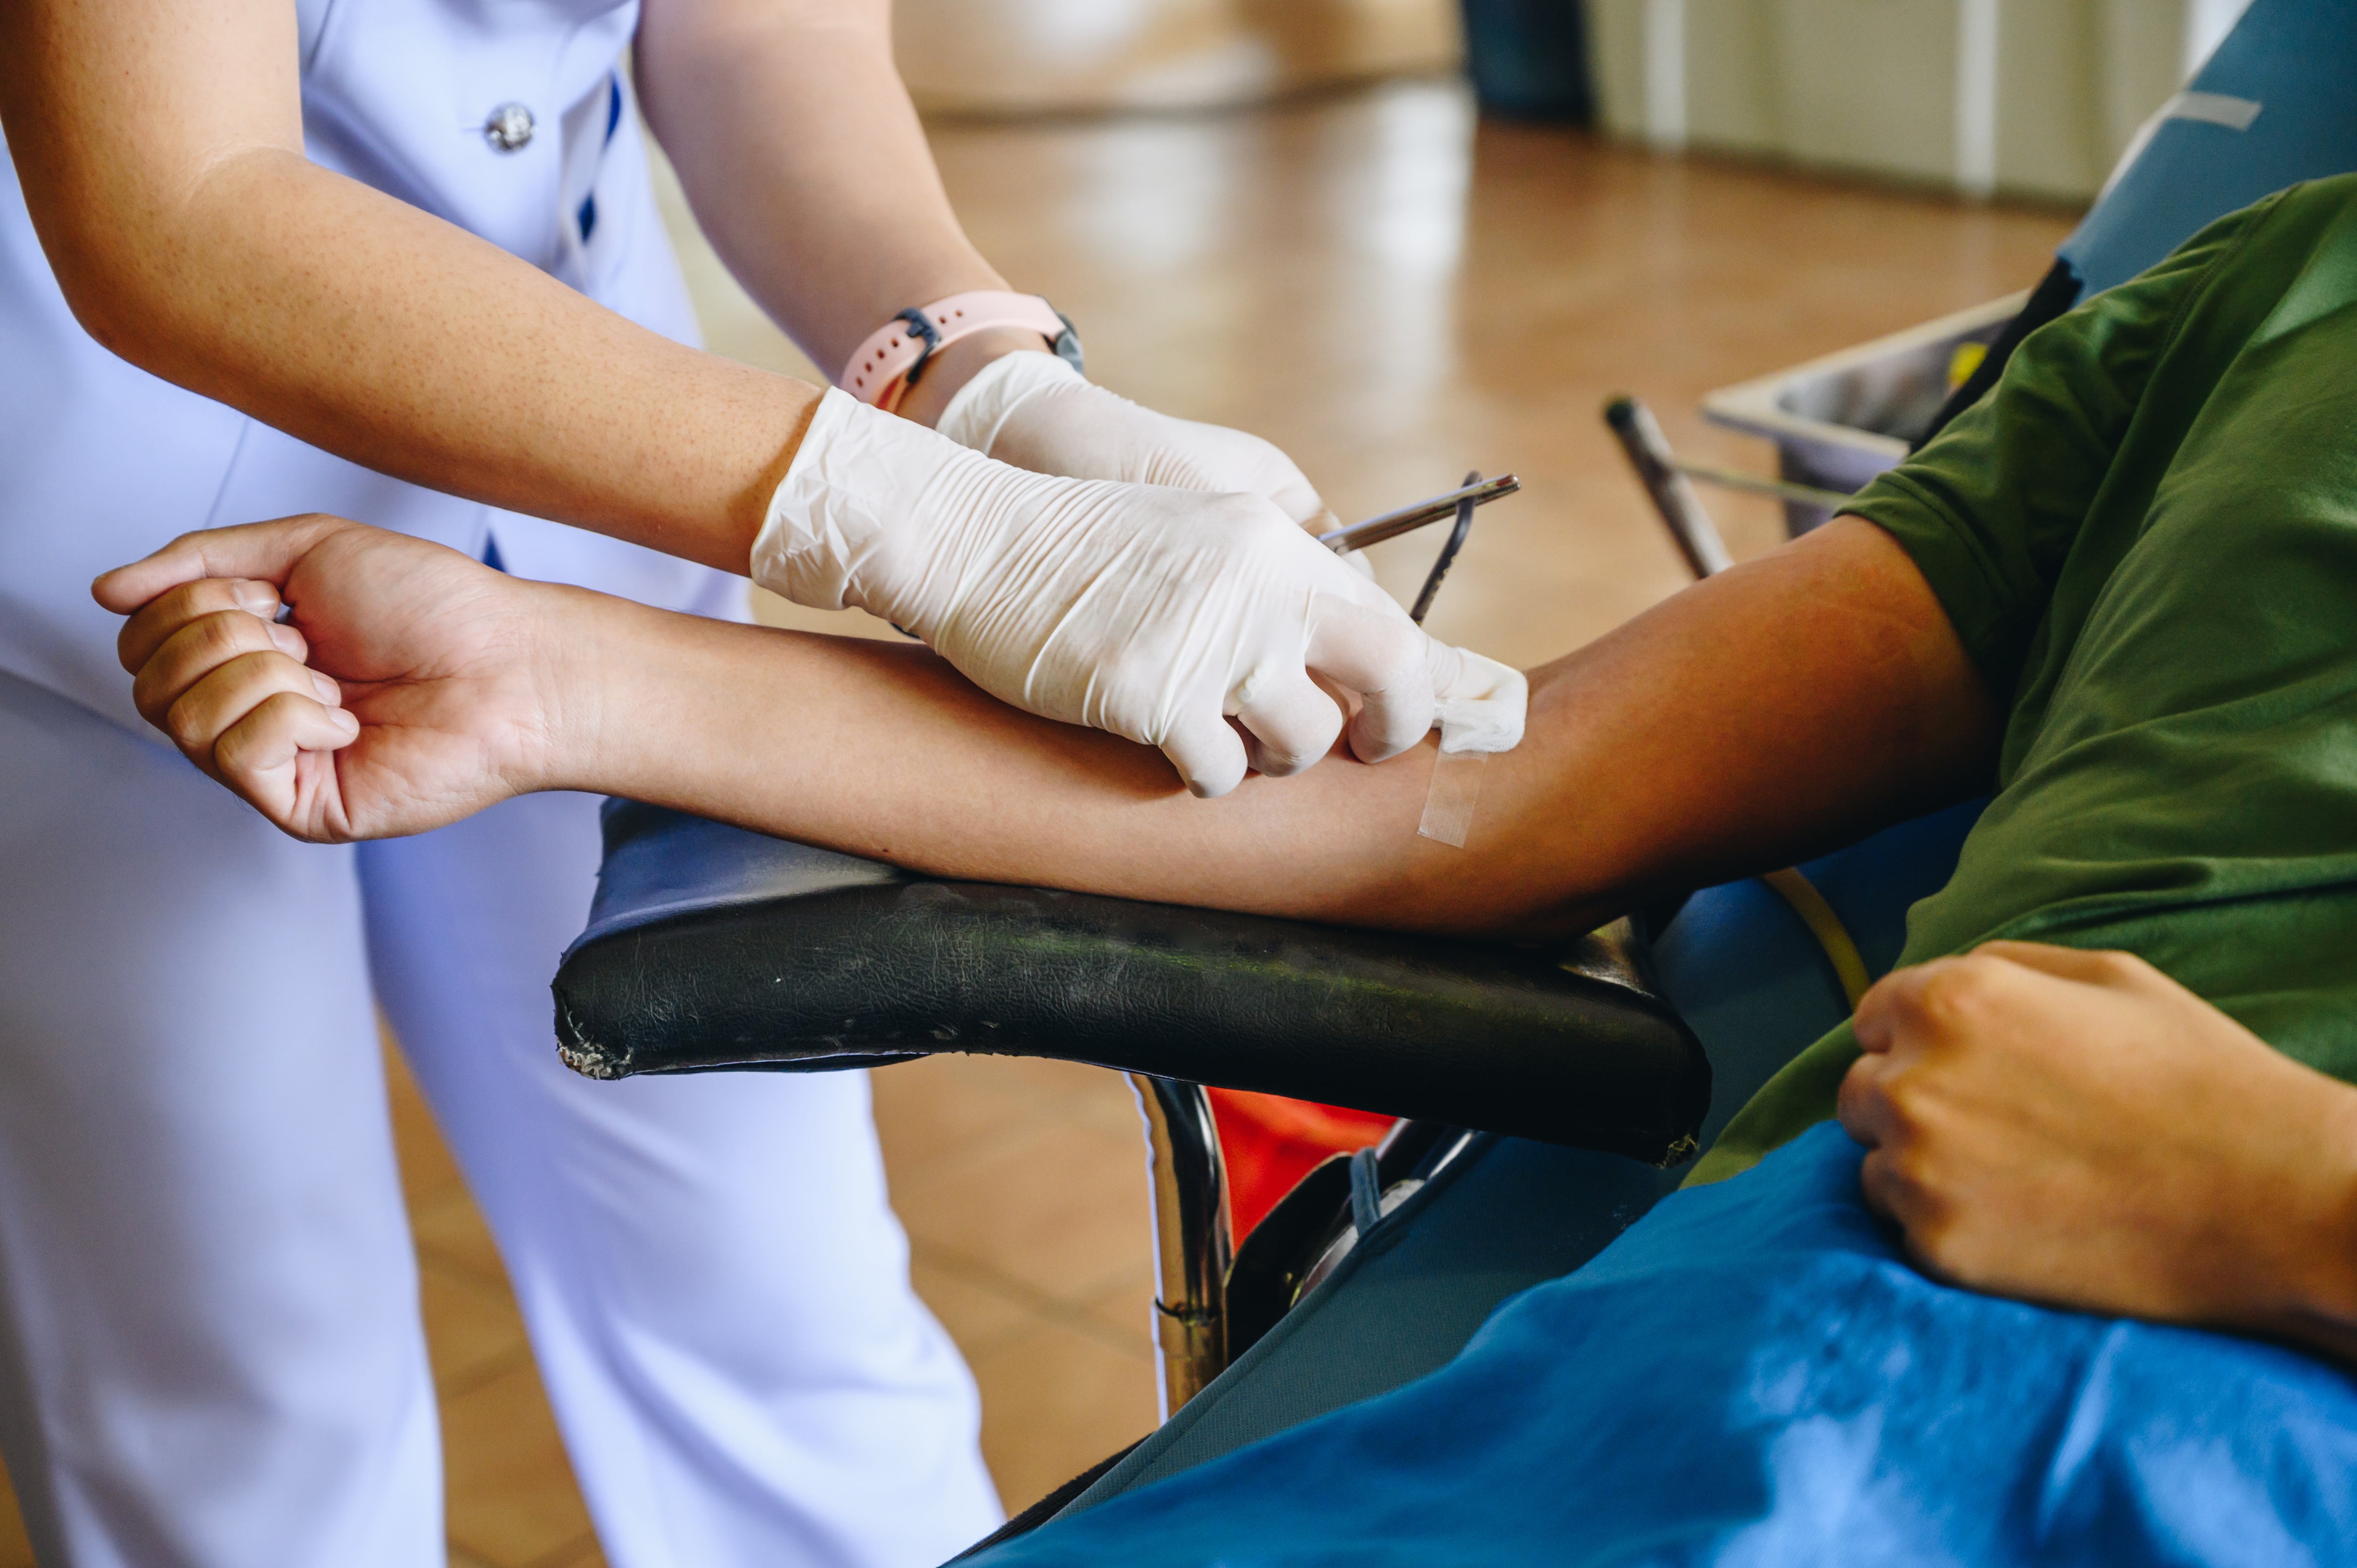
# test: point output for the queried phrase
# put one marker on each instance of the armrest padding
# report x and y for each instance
(791, 958)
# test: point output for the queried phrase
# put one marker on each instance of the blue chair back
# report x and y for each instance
(2275, 104)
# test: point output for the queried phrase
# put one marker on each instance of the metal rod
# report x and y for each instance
(1649, 453)
(1760, 483)
(1187, 1181)
(1447, 557)
(1408, 519)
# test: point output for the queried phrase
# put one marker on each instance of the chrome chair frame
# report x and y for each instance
(1186, 1183)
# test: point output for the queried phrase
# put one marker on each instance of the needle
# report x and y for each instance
(1391, 524)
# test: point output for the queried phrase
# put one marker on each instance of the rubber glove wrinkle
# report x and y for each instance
(1036, 411)
(1142, 610)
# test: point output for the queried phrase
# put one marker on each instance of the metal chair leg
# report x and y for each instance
(1188, 1181)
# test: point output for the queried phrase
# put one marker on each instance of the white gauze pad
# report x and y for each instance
(1481, 710)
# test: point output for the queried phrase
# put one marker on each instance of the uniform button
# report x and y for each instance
(510, 127)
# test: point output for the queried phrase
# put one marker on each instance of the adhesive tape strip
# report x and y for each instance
(1455, 791)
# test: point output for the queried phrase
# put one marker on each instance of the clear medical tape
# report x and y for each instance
(1455, 791)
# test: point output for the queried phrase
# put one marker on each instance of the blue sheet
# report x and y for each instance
(1753, 1375)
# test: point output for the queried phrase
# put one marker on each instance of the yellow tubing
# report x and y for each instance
(1826, 925)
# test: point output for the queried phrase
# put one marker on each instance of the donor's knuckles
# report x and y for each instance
(1940, 1249)
(227, 633)
(1898, 1094)
(1900, 1185)
(187, 725)
(2122, 970)
(263, 737)
(1962, 994)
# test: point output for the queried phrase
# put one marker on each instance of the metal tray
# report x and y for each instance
(1839, 421)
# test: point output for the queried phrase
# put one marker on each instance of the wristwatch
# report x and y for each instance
(883, 369)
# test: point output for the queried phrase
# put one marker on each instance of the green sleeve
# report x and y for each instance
(1991, 507)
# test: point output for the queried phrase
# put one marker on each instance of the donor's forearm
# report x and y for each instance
(1784, 707)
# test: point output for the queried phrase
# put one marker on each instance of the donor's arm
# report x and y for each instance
(2066, 1127)
(1779, 709)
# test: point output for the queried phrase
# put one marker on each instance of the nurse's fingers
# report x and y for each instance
(1207, 752)
(264, 549)
(1379, 653)
(162, 617)
(1293, 723)
(303, 715)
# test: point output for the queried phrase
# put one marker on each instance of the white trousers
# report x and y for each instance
(210, 1346)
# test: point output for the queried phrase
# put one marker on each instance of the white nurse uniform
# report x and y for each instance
(210, 1344)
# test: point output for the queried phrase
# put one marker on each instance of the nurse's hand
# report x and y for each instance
(440, 703)
(2077, 1129)
(1154, 612)
(1038, 412)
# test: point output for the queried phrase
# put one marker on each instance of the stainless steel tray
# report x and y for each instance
(1839, 421)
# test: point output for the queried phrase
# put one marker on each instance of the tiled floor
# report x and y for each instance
(1395, 295)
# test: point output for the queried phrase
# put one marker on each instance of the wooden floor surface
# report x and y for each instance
(1395, 294)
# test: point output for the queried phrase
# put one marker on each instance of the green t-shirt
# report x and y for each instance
(2146, 535)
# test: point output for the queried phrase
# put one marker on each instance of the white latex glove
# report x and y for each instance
(1151, 612)
(1038, 412)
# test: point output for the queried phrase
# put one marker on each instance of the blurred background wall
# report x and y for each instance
(1014, 57)
(2031, 98)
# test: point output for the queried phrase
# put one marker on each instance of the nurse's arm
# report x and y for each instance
(159, 145)
(806, 165)
(1779, 709)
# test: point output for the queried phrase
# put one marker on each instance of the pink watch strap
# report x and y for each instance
(882, 369)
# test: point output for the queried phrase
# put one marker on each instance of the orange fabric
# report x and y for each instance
(1271, 1142)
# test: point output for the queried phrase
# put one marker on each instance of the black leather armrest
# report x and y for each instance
(710, 947)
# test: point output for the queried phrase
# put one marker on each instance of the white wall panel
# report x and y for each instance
(1887, 86)
(1731, 76)
(1870, 85)
(1616, 53)
(2050, 136)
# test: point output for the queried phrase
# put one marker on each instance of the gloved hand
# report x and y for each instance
(1147, 611)
(1038, 412)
